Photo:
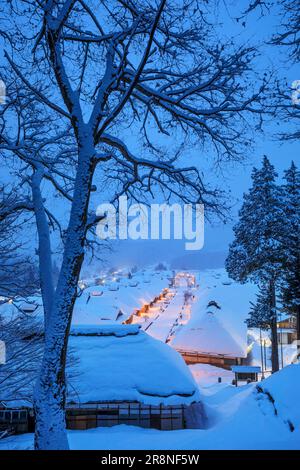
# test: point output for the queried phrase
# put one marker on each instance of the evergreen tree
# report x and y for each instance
(261, 314)
(290, 239)
(255, 254)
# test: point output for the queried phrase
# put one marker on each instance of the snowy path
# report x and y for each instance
(165, 318)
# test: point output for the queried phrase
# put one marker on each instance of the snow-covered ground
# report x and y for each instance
(238, 418)
(212, 320)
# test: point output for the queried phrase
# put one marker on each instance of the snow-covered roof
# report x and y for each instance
(109, 329)
(286, 330)
(27, 307)
(32, 305)
(205, 334)
(98, 303)
(246, 369)
(130, 296)
(217, 325)
(128, 365)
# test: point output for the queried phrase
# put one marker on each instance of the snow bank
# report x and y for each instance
(283, 390)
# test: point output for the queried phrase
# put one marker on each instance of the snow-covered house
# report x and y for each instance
(287, 330)
(217, 332)
(184, 278)
(206, 340)
(32, 307)
(118, 301)
(124, 376)
(286, 336)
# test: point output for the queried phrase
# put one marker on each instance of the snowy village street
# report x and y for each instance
(235, 417)
(149, 230)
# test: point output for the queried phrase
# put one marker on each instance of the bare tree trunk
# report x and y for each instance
(50, 393)
(274, 334)
(44, 251)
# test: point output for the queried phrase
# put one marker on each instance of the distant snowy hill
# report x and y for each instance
(202, 260)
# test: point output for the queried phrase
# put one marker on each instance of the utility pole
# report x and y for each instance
(275, 358)
(261, 355)
(265, 351)
(280, 335)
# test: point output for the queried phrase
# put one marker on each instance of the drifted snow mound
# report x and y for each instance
(282, 391)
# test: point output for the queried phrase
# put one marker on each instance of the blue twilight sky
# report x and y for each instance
(235, 177)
